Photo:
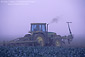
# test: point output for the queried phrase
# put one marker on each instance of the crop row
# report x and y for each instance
(41, 52)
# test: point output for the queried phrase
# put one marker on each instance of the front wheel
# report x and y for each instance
(40, 39)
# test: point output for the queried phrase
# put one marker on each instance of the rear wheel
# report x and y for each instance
(40, 39)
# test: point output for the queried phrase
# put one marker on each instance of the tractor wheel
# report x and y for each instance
(57, 43)
(40, 39)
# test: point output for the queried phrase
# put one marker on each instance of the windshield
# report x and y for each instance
(38, 28)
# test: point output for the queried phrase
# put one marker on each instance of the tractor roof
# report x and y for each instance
(37, 23)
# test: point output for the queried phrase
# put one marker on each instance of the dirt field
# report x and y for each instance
(41, 52)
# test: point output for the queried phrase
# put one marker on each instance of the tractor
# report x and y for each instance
(39, 35)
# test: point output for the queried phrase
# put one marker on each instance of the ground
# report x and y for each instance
(41, 51)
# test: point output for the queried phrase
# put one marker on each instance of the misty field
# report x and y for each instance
(41, 52)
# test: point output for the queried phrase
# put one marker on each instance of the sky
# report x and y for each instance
(16, 16)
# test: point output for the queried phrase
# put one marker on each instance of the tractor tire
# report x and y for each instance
(57, 42)
(39, 38)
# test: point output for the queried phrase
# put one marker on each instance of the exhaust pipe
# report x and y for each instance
(47, 27)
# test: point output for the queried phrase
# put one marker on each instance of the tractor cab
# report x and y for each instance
(41, 27)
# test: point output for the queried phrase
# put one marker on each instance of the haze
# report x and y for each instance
(15, 18)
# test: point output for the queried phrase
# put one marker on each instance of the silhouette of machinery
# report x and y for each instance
(39, 35)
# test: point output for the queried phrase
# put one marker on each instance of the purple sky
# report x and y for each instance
(15, 17)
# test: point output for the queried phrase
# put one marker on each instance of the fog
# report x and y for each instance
(15, 17)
